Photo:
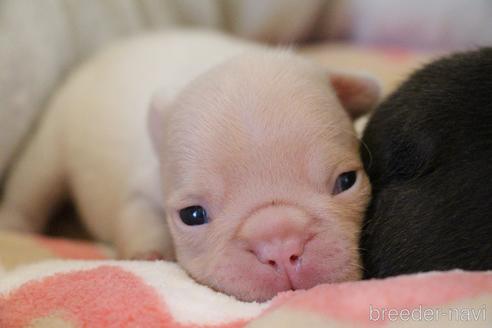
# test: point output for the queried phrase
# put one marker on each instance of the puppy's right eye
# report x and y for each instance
(193, 215)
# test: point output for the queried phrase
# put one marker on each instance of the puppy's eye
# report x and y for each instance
(193, 215)
(344, 182)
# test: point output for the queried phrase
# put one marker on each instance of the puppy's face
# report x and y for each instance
(264, 188)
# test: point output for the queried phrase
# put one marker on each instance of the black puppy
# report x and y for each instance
(430, 164)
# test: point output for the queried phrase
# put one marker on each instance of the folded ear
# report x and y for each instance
(155, 121)
(358, 94)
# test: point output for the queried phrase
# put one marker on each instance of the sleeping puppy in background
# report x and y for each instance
(238, 160)
(430, 166)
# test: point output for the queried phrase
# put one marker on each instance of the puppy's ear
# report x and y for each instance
(155, 120)
(357, 93)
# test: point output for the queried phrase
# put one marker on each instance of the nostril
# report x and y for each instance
(272, 263)
(293, 259)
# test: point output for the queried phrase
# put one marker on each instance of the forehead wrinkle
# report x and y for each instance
(235, 161)
(237, 158)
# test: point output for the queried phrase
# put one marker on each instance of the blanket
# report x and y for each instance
(103, 292)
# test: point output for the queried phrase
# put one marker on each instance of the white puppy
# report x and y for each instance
(250, 174)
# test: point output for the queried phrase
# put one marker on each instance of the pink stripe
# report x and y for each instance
(103, 297)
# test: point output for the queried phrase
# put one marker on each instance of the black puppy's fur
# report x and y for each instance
(430, 165)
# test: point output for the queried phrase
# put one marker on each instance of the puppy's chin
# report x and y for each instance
(238, 273)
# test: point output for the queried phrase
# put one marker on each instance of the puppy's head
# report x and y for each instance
(264, 188)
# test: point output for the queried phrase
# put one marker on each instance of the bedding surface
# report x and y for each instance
(59, 283)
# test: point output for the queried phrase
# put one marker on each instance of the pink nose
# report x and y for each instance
(281, 254)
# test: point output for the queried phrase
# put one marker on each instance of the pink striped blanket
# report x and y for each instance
(58, 283)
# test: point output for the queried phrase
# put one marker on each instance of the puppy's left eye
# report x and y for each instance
(193, 215)
(344, 182)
